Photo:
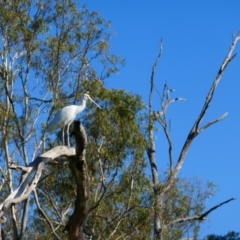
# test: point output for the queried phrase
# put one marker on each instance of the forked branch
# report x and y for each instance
(31, 176)
(196, 129)
(162, 119)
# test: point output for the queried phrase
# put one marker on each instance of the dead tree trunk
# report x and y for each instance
(79, 170)
(151, 152)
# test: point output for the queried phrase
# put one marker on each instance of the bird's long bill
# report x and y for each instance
(93, 102)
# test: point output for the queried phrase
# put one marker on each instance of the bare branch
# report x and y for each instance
(166, 99)
(212, 122)
(198, 217)
(162, 119)
(44, 214)
(153, 75)
(215, 207)
(209, 97)
(100, 161)
(104, 192)
(27, 190)
(151, 147)
(4, 176)
(20, 168)
(29, 183)
(195, 129)
(48, 197)
(41, 100)
(54, 207)
(170, 147)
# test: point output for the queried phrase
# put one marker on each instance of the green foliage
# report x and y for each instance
(48, 49)
(119, 187)
(185, 198)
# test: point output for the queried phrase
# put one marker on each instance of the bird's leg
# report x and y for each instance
(68, 135)
(63, 138)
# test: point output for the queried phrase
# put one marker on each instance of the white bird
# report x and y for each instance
(66, 116)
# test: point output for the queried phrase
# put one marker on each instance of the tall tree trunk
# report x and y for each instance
(79, 170)
(151, 152)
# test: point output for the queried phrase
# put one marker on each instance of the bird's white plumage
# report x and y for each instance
(66, 116)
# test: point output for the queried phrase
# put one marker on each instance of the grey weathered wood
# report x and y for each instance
(28, 182)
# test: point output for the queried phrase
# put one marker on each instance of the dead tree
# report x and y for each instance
(175, 167)
(31, 175)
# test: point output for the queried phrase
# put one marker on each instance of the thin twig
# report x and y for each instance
(212, 122)
(44, 214)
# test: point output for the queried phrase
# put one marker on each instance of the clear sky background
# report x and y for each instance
(196, 38)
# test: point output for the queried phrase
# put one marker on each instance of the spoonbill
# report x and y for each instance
(64, 117)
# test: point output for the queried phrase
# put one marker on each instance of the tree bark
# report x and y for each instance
(79, 170)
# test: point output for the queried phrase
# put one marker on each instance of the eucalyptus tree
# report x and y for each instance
(48, 49)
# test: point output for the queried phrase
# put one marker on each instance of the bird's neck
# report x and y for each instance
(81, 107)
(84, 103)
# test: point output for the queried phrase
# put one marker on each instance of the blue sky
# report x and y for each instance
(196, 37)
